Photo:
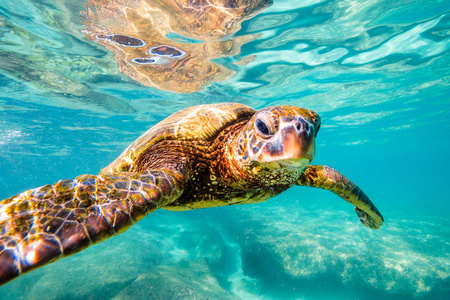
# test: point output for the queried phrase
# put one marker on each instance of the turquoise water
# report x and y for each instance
(377, 72)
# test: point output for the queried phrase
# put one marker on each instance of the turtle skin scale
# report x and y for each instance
(202, 156)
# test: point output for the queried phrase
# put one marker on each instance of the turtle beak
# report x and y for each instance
(298, 142)
(292, 147)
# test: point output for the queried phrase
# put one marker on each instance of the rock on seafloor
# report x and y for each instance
(291, 252)
(185, 281)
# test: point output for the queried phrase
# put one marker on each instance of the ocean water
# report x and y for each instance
(78, 85)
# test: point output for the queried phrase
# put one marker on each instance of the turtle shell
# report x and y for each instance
(201, 123)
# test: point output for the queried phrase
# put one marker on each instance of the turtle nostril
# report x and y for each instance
(299, 126)
(306, 126)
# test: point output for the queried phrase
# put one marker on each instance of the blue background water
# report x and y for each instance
(376, 71)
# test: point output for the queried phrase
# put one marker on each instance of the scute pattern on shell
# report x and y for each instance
(201, 123)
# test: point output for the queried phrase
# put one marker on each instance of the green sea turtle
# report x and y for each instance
(202, 156)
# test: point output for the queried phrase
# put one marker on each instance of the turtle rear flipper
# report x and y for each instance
(44, 224)
(327, 178)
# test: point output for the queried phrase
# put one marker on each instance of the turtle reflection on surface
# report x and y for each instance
(137, 33)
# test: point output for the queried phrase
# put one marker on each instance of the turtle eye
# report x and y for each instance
(262, 127)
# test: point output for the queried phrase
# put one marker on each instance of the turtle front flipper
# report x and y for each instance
(44, 224)
(327, 178)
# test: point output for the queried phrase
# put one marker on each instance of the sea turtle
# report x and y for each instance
(202, 156)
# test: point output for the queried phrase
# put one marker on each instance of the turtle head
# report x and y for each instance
(277, 144)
